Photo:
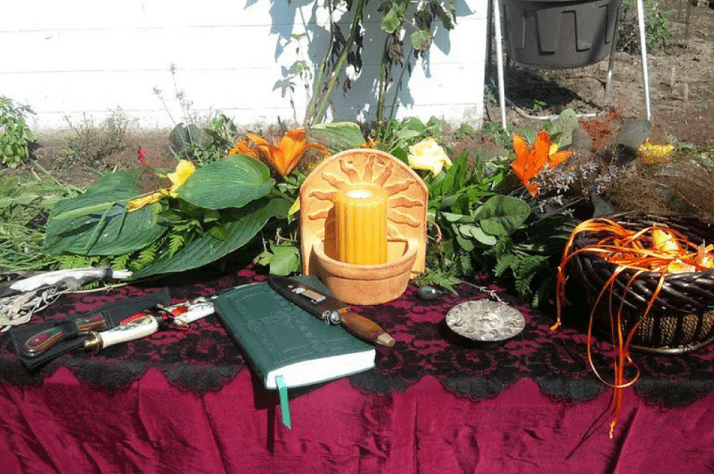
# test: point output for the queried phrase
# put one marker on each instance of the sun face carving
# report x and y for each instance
(375, 172)
(406, 204)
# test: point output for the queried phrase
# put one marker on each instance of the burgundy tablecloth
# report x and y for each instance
(184, 401)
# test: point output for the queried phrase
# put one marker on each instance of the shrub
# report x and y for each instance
(15, 135)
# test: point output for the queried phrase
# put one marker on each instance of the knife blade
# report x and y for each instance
(328, 308)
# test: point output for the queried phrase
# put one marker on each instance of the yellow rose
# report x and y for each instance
(428, 155)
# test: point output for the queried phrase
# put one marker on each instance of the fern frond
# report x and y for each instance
(176, 243)
(146, 256)
(71, 260)
(120, 261)
(527, 269)
(506, 262)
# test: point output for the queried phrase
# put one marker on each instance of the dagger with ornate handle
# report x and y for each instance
(146, 324)
(44, 340)
(329, 309)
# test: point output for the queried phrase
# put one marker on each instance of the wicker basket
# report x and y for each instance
(682, 317)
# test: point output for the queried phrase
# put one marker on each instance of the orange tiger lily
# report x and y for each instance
(530, 160)
(286, 155)
(242, 148)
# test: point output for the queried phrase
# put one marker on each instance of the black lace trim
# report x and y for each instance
(203, 358)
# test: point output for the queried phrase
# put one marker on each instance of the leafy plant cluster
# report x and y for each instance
(24, 204)
(15, 136)
(204, 145)
(657, 36)
(479, 220)
(203, 224)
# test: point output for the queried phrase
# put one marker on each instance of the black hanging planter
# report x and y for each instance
(560, 34)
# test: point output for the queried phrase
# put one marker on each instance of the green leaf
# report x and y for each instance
(219, 232)
(453, 180)
(501, 215)
(421, 40)
(337, 136)
(97, 223)
(477, 233)
(451, 217)
(241, 226)
(231, 182)
(465, 244)
(562, 130)
(392, 20)
(26, 198)
(182, 136)
(285, 260)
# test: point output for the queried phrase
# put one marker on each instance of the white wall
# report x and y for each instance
(86, 58)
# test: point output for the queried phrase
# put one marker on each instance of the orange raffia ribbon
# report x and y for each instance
(653, 249)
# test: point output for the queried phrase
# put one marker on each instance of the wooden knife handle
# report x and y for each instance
(366, 329)
(43, 341)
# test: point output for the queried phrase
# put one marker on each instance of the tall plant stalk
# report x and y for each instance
(321, 98)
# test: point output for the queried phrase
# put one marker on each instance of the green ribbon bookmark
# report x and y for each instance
(284, 407)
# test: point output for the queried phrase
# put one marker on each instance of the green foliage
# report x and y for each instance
(201, 224)
(24, 205)
(396, 137)
(337, 136)
(476, 224)
(657, 34)
(416, 19)
(283, 259)
(204, 145)
(15, 135)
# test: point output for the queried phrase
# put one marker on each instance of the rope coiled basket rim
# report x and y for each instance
(682, 315)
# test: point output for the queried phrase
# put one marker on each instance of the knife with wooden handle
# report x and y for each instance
(41, 342)
(329, 309)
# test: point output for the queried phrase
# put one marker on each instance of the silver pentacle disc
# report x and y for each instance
(485, 320)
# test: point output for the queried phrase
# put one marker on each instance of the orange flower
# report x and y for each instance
(530, 160)
(242, 148)
(286, 155)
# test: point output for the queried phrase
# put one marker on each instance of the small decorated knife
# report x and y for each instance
(38, 344)
(146, 324)
(329, 309)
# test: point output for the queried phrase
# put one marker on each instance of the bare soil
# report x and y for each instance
(681, 83)
(681, 88)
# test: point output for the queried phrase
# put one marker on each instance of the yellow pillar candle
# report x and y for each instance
(361, 224)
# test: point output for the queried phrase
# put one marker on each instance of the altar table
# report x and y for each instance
(187, 402)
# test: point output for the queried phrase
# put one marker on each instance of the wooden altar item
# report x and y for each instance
(407, 202)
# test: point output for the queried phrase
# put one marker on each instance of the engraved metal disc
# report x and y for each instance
(485, 320)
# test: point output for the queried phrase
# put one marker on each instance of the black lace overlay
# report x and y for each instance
(203, 357)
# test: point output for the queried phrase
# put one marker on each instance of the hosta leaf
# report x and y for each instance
(97, 223)
(231, 182)
(241, 226)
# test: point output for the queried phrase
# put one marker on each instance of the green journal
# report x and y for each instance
(280, 339)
